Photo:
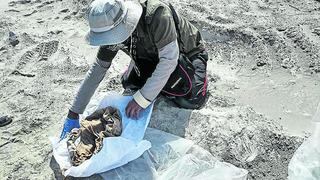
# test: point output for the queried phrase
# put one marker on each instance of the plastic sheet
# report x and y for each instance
(116, 151)
(316, 117)
(305, 163)
(175, 158)
(122, 158)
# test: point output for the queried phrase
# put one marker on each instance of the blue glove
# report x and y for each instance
(69, 124)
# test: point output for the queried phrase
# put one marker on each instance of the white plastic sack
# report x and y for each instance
(116, 151)
(175, 158)
(305, 163)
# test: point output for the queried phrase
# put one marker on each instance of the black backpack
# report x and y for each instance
(180, 81)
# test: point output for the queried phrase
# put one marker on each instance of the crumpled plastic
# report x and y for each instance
(316, 117)
(170, 157)
(175, 158)
(116, 151)
(305, 163)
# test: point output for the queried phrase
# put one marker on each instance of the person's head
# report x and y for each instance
(112, 21)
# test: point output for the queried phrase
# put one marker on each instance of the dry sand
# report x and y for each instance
(263, 70)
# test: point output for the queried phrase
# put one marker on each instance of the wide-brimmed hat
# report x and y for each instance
(112, 21)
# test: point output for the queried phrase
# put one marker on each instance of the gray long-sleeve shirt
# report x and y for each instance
(168, 60)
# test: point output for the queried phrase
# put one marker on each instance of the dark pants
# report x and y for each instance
(196, 97)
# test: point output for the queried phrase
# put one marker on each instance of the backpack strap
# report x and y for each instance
(150, 8)
(176, 23)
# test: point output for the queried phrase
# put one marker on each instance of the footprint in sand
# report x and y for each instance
(40, 53)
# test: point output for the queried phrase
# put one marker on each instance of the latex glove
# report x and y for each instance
(69, 124)
(133, 109)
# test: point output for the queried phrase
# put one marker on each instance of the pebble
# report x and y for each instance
(64, 10)
(5, 120)
(13, 39)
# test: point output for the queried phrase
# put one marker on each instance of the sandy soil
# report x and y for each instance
(263, 70)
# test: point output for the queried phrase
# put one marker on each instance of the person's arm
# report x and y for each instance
(87, 89)
(168, 56)
(92, 80)
(165, 37)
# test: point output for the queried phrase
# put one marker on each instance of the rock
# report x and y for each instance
(210, 18)
(74, 13)
(281, 29)
(16, 72)
(13, 3)
(67, 17)
(260, 64)
(13, 39)
(3, 48)
(24, 1)
(5, 120)
(55, 32)
(317, 31)
(29, 14)
(12, 10)
(64, 10)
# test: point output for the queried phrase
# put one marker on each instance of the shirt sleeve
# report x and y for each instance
(163, 28)
(92, 80)
(107, 53)
(168, 56)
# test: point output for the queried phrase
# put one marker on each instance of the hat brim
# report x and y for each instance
(122, 31)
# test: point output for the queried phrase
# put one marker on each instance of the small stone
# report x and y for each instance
(13, 3)
(12, 10)
(13, 39)
(55, 32)
(281, 28)
(67, 17)
(259, 64)
(29, 14)
(210, 18)
(3, 48)
(317, 31)
(24, 1)
(64, 10)
(5, 120)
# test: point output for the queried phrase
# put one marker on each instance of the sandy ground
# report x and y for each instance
(263, 70)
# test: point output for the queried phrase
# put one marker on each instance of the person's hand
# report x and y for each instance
(133, 109)
(69, 124)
